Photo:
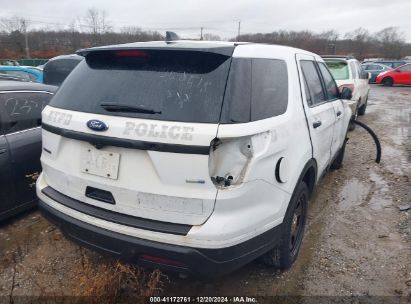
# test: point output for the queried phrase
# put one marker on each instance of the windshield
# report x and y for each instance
(173, 85)
(339, 69)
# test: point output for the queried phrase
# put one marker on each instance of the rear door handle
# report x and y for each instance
(316, 124)
(3, 151)
(339, 113)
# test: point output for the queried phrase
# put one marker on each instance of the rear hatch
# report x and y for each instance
(130, 131)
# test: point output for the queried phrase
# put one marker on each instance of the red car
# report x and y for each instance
(400, 75)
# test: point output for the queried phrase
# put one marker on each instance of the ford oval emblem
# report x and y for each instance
(97, 125)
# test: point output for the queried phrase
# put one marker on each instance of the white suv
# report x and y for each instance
(348, 72)
(190, 156)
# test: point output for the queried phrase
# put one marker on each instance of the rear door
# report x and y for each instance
(333, 97)
(404, 75)
(7, 189)
(22, 110)
(320, 112)
(138, 124)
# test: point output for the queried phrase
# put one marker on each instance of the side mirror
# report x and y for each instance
(398, 71)
(346, 93)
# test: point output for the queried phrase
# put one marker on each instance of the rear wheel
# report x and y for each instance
(351, 125)
(388, 82)
(361, 110)
(293, 226)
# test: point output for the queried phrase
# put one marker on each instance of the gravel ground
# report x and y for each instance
(357, 242)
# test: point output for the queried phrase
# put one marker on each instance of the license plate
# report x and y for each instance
(100, 163)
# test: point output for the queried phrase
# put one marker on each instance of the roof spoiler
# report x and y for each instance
(171, 36)
(338, 56)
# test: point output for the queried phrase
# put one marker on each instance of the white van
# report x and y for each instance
(191, 156)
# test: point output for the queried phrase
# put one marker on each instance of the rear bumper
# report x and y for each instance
(197, 261)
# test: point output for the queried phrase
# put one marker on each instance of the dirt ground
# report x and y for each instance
(357, 242)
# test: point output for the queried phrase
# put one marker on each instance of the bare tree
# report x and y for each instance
(17, 27)
(358, 41)
(391, 41)
(13, 24)
(96, 21)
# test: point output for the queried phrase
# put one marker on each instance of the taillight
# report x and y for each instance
(231, 158)
(130, 53)
(350, 86)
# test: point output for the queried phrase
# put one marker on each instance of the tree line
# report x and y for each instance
(19, 40)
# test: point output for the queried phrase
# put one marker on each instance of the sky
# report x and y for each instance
(220, 17)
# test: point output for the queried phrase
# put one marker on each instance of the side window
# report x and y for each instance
(20, 74)
(330, 85)
(406, 68)
(377, 68)
(237, 100)
(269, 88)
(256, 89)
(32, 77)
(362, 74)
(56, 71)
(354, 70)
(22, 110)
(372, 67)
(313, 82)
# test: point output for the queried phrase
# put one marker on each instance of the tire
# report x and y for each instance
(388, 82)
(338, 161)
(351, 126)
(361, 110)
(284, 255)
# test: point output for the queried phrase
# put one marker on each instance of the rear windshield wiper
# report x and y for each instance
(118, 107)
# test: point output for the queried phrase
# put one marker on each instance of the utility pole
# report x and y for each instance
(201, 34)
(239, 30)
(26, 38)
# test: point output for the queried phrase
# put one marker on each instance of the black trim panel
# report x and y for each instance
(102, 141)
(115, 217)
(198, 261)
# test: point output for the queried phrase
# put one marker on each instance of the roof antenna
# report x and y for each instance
(171, 36)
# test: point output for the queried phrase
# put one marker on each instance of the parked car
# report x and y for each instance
(400, 75)
(375, 69)
(58, 68)
(392, 63)
(9, 62)
(7, 77)
(348, 73)
(191, 156)
(21, 104)
(26, 73)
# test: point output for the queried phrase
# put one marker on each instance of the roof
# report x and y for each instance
(25, 86)
(345, 57)
(70, 56)
(220, 47)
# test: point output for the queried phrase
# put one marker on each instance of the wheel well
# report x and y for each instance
(387, 77)
(309, 178)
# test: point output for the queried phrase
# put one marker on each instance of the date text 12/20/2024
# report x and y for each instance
(235, 299)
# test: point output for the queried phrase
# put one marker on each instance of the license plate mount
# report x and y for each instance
(100, 163)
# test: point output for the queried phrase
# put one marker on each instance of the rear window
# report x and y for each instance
(168, 85)
(57, 70)
(339, 69)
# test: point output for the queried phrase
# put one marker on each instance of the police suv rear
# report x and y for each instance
(190, 156)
